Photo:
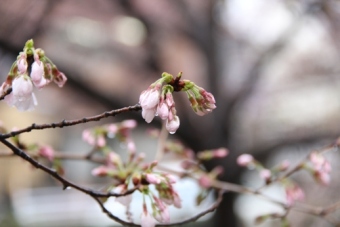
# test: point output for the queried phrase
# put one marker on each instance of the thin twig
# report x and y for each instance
(66, 123)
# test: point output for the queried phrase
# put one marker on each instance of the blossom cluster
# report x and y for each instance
(32, 68)
(133, 172)
(157, 100)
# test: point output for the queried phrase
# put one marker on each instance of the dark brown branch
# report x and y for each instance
(65, 123)
(66, 183)
(96, 195)
(6, 93)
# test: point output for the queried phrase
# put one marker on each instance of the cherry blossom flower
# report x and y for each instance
(153, 178)
(293, 193)
(172, 125)
(149, 100)
(22, 96)
(321, 168)
(37, 74)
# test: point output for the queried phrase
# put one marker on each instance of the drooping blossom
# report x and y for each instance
(21, 80)
(173, 124)
(37, 74)
(22, 96)
(149, 100)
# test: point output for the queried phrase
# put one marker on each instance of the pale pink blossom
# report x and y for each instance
(162, 215)
(163, 110)
(149, 100)
(293, 193)
(172, 125)
(37, 74)
(321, 168)
(47, 152)
(245, 159)
(22, 63)
(22, 96)
(153, 178)
(149, 114)
(146, 219)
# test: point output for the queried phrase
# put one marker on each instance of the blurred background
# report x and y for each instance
(273, 67)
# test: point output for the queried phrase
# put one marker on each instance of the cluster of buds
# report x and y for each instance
(32, 68)
(293, 192)
(141, 176)
(319, 167)
(247, 160)
(98, 136)
(157, 100)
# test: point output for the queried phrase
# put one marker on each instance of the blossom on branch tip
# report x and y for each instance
(21, 80)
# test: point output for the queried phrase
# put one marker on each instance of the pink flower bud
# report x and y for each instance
(205, 181)
(163, 111)
(100, 171)
(293, 193)
(148, 114)
(153, 178)
(47, 152)
(245, 160)
(220, 153)
(172, 125)
(22, 63)
(37, 74)
(146, 219)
